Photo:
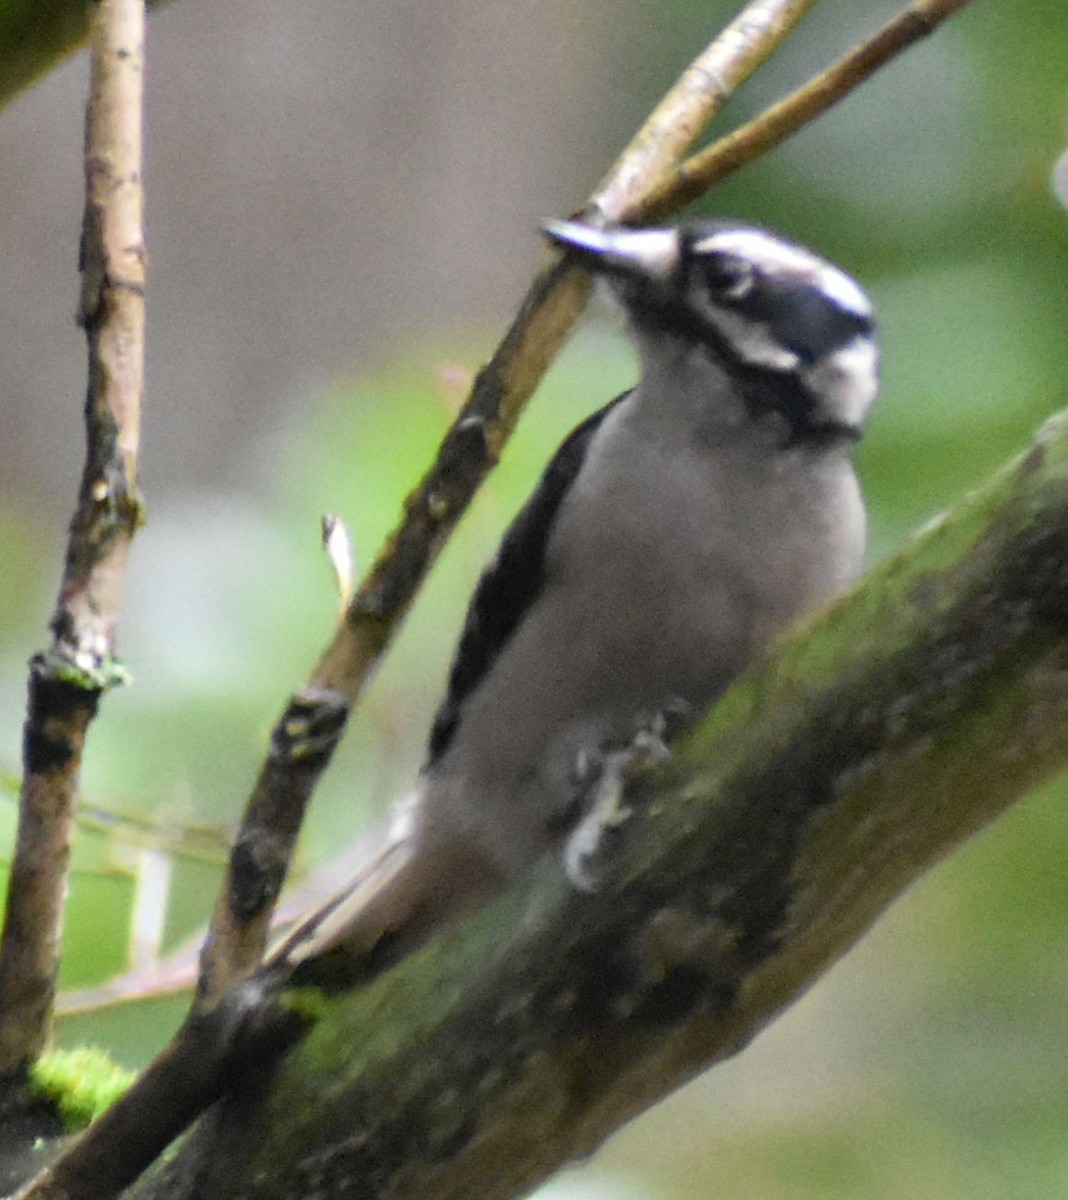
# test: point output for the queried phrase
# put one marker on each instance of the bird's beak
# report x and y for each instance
(649, 254)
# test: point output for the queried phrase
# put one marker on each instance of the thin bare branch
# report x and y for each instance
(700, 94)
(67, 680)
(305, 737)
(703, 171)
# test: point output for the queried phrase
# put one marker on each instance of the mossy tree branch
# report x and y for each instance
(831, 776)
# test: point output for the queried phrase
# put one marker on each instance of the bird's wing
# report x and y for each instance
(512, 581)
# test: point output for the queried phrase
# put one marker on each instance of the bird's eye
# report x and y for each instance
(728, 276)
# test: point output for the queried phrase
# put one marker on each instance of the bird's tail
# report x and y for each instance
(404, 893)
(371, 907)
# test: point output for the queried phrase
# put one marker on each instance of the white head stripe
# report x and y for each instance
(769, 252)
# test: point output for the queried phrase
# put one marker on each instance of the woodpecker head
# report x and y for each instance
(794, 334)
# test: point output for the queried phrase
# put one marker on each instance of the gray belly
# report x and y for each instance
(642, 605)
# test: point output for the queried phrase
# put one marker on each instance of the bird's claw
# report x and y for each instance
(600, 777)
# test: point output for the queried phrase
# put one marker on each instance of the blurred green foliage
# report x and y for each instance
(931, 1062)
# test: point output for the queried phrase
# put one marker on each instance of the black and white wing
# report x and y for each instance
(511, 582)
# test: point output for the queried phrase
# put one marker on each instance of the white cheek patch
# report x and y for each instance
(845, 382)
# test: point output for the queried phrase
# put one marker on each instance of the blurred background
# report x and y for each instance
(342, 216)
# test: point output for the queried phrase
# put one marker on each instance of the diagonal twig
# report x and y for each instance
(304, 738)
(699, 95)
(703, 171)
(67, 680)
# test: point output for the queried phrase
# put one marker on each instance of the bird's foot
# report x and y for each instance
(600, 777)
